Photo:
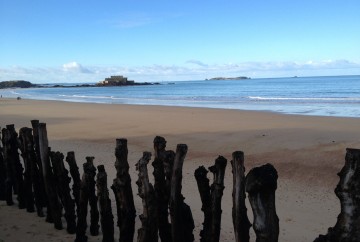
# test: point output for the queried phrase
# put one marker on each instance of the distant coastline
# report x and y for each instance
(228, 78)
(108, 82)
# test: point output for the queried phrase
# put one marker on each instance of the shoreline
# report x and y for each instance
(307, 151)
(179, 106)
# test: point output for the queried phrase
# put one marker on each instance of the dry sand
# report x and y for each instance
(307, 152)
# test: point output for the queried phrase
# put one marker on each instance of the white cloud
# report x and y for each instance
(75, 67)
(191, 70)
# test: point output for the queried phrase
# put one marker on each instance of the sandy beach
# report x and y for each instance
(307, 152)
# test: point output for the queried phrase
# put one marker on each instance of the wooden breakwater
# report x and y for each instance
(40, 180)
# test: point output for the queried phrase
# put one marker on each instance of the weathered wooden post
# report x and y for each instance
(168, 168)
(62, 183)
(347, 227)
(94, 211)
(239, 211)
(9, 181)
(83, 206)
(74, 171)
(87, 191)
(2, 173)
(161, 193)
(18, 169)
(35, 127)
(36, 175)
(182, 223)
(211, 199)
(39, 185)
(123, 193)
(107, 218)
(49, 181)
(205, 195)
(26, 147)
(217, 189)
(261, 183)
(149, 221)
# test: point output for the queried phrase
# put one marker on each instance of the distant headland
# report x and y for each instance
(113, 81)
(16, 84)
(228, 78)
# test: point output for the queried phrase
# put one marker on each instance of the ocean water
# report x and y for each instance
(320, 96)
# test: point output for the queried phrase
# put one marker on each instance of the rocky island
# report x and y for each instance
(228, 78)
(120, 81)
(16, 84)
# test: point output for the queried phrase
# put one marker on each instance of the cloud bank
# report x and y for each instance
(190, 70)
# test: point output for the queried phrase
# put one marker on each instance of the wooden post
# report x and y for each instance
(182, 223)
(83, 205)
(347, 190)
(35, 127)
(50, 187)
(2, 173)
(74, 171)
(217, 189)
(62, 183)
(205, 195)
(94, 211)
(168, 168)
(18, 169)
(261, 183)
(26, 147)
(211, 199)
(9, 181)
(239, 211)
(36, 175)
(161, 193)
(107, 218)
(40, 191)
(149, 221)
(123, 193)
(87, 193)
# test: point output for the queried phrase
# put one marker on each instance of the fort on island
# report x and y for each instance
(116, 81)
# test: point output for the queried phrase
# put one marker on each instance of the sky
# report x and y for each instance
(56, 41)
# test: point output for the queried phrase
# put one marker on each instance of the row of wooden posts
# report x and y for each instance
(45, 183)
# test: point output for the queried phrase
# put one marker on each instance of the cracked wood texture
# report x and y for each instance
(123, 193)
(211, 199)
(347, 227)
(239, 211)
(149, 220)
(106, 215)
(62, 184)
(74, 171)
(261, 183)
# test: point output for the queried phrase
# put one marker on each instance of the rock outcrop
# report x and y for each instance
(16, 84)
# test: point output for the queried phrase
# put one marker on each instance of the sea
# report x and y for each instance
(318, 96)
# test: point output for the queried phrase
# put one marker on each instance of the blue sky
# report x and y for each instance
(86, 41)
